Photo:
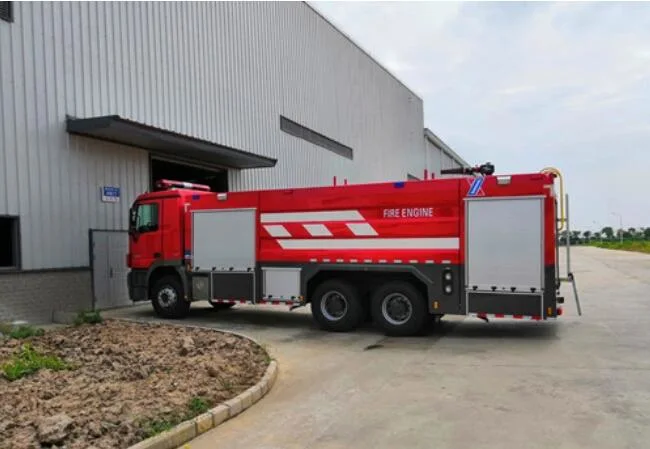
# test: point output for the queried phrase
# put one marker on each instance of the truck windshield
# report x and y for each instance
(144, 217)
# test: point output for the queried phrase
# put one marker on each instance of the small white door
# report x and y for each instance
(109, 249)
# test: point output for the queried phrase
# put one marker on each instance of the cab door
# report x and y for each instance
(171, 231)
(145, 234)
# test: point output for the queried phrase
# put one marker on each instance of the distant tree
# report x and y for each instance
(597, 235)
(608, 231)
(626, 234)
(631, 232)
(575, 236)
(646, 233)
(587, 235)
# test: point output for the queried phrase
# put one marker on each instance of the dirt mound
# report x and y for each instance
(124, 377)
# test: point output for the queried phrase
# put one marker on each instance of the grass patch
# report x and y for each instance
(640, 246)
(195, 406)
(155, 426)
(28, 361)
(20, 332)
(90, 317)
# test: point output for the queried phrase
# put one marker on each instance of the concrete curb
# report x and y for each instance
(189, 430)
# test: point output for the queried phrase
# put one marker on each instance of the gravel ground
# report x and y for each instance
(124, 376)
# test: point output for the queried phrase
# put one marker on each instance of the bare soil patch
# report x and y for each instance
(127, 381)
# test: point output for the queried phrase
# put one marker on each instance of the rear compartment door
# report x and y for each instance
(504, 254)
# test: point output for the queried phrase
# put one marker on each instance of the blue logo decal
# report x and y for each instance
(475, 187)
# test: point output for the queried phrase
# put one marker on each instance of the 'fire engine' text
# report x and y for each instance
(409, 212)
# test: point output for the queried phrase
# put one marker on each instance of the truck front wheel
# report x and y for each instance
(399, 309)
(167, 298)
(336, 306)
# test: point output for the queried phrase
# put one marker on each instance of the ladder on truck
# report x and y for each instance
(563, 221)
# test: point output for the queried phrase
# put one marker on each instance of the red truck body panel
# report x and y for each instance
(414, 210)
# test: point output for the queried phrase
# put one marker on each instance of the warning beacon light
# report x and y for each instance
(166, 184)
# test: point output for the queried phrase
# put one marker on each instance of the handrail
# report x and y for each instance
(557, 173)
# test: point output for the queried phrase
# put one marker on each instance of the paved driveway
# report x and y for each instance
(578, 383)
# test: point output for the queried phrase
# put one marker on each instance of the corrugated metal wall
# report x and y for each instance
(223, 71)
(437, 159)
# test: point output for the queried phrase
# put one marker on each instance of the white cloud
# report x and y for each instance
(526, 85)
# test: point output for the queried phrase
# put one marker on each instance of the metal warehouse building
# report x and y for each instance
(99, 100)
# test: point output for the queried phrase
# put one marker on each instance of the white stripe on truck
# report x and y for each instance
(377, 243)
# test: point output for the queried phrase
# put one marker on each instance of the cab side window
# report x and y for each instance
(147, 218)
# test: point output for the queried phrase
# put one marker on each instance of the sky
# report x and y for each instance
(526, 86)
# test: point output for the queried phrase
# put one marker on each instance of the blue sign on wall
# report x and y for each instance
(110, 194)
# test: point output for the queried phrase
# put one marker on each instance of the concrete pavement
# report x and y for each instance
(576, 383)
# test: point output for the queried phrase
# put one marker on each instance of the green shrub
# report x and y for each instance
(88, 317)
(28, 361)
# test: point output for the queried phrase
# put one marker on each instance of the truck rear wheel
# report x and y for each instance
(399, 309)
(336, 306)
(168, 298)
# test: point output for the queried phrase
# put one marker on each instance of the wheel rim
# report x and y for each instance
(334, 306)
(396, 309)
(167, 297)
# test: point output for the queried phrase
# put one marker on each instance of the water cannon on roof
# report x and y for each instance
(486, 169)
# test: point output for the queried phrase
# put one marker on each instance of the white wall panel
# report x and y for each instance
(439, 156)
(220, 71)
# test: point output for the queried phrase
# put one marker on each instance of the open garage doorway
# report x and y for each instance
(163, 168)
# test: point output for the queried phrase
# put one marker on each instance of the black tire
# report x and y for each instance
(399, 309)
(168, 299)
(221, 305)
(336, 306)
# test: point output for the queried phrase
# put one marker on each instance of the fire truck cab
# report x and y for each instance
(398, 253)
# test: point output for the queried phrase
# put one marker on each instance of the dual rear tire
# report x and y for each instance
(399, 309)
(336, 306)
(396, 307)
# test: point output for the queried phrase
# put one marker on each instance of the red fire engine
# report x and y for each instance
(398, 253)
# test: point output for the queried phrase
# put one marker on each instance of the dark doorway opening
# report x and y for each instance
(217, 179)
(9, 244)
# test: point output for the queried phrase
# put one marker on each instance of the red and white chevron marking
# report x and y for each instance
(340, 230)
